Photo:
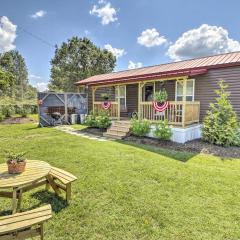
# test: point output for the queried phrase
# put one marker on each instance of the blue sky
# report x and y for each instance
(139, 32)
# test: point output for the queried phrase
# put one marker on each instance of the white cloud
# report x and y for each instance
(202, 41)
(115, 51)
(151, 38)
(39, 14)
(133, 65)
(34, 77)
(106, 12)
(42, 86)
(86, 32)
(7, 34)
(38, 82)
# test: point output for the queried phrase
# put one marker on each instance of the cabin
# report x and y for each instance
(190, 85)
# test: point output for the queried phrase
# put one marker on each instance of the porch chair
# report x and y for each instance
(24, 225)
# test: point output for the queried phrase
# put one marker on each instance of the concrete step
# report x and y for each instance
(117, 133)
(121, 124)
(120, 128)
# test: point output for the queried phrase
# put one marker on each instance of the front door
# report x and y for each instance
(122, 99)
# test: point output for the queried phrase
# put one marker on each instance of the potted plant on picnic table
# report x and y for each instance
(16, 162)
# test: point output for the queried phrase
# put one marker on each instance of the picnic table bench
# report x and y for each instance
(24, 225)
(65, 179)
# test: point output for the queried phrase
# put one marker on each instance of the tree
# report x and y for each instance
(76, 59)
(7, 81)
(220, 126)
(14, 63)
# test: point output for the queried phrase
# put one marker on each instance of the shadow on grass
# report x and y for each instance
(182, 156)
(45, 197)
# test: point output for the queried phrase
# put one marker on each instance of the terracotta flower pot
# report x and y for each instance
(15, 167)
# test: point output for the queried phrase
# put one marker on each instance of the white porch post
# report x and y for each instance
(184, 101)
(118, 100)
(93, 98)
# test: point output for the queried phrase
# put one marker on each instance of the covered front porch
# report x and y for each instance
(135, 99)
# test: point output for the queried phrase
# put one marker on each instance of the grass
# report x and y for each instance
(130, 191)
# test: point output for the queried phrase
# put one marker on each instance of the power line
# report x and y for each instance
(33, 35)
(37, 37)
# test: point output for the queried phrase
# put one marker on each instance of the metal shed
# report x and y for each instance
(63, 105)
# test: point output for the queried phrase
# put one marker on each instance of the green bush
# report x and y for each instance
(24, 111)
(221, 126)
(1, 117)
(90, 120)
(98, 120)
(163, 131)
(103, 121)
(140, 127)
(8, 110)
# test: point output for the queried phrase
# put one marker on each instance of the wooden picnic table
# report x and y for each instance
(36, 174)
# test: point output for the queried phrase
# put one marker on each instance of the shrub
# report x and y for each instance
(8, 110)
(91, 120)
(103, 121)
(140, 127)
(98, 120)
(220, 126)
(24, 111)
(163, 131)
(1, 117)
(160, 96)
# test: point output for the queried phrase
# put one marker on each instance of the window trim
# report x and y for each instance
(123, 97)
(193, 94)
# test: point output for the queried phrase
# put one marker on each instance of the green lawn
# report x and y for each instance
(128, 191)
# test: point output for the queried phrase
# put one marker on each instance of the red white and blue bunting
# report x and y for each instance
(106, 105)
(160, 107)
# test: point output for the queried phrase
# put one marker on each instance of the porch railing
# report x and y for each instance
(113, 110)
(178, 113)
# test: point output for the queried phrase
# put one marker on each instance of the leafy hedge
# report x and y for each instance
(8, 110)
(98, 120)
(163, 131)
(140, 127)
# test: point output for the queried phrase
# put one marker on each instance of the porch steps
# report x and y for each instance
(118, 130)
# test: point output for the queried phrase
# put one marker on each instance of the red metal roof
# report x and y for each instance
(182, 68)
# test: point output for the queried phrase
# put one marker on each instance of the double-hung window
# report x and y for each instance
(189, 91)
(121, 96)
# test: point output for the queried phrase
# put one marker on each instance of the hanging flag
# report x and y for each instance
(160, 107)
(106, 105)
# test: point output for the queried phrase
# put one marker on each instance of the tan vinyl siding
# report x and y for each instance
(206, 84)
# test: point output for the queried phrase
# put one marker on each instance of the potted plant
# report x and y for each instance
(160, 96)
(105, 96)
(16, 162)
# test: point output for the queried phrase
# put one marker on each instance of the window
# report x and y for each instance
(189, 92)
(122, 96)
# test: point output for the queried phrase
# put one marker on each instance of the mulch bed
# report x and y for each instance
(195, 146)
(94, 131)
(17, 120)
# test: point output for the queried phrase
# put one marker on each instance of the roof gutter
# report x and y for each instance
(133, 79)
